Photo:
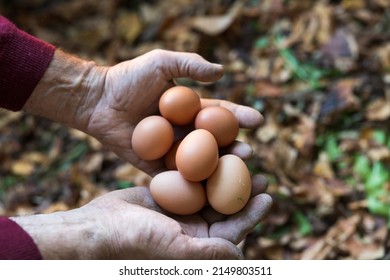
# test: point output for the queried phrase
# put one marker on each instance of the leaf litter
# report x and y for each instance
(317, 70)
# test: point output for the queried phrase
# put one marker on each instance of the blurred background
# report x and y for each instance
(319, 72)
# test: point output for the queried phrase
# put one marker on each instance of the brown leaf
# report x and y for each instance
(128, 172)
(361, 250)
(22, 167)
(312, 27)
(8, 117)
(323, 167)
(342, 49)
(313, 189)
(336, 235)
(378, 110)
(214, 25)
(128, 26)
(352, 4)
(340, 99)
(267, 89)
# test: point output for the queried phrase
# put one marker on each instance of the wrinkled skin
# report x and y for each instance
(107, 103)
(127, 224)
(124, 102)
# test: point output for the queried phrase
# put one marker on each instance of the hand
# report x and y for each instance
(132, 90)
(127, 224)
(108, 102)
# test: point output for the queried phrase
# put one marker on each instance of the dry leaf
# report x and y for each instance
(378, 110)
(128, 172)
(323, 168)
(128, 26)
(22, 167)
(8, 117)
(340, 99)
(338, 234)
(214, 25)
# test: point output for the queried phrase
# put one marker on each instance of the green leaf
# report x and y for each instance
(378, 176)
(378, 207)
(303, 223)
(362, 166)
(261, 43)
(124, 184)
(332, 148)
(380, 137)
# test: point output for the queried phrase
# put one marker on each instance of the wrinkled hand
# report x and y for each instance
(127, 224)
(131, 92)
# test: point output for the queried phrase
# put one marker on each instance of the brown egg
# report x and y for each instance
(220, 122)
(152, 138)
(229, 187)
(197, 155)
(179, 105)
(177, 195)
(170, 157)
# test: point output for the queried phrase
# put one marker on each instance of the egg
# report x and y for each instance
(172, 192)
(228, 189)
(220, 122)
(179, 105)
(197, 155)
(170, 157)
(152, 138)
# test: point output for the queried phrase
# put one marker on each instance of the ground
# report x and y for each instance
(319, 72)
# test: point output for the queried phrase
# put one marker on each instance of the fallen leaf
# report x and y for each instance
(323, 168)
(214, 25)
(127, 172)
(378, 110)
(340, 99)
(8, 117)
(342, 49)
(128, 26)
(22, 167)
(336, 235)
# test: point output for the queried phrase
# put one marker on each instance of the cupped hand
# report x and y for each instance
(137, 228)
(131, 92)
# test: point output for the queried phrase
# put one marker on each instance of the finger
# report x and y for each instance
(207, 248)
(237, 226)
(247, 117)
(259, 185)
(191, 65)
(240, 149)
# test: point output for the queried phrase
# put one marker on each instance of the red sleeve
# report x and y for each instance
(23, 61)
(15, 243)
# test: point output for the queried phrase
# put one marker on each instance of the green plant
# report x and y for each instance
(307, 72)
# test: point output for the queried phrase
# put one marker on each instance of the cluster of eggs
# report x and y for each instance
(197, 174)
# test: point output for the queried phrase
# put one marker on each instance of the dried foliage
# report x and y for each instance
(319, 71)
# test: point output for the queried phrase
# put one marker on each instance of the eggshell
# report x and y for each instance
(152, 138)
(229, 187)
(179, 105)
(170, 157)
(220, 122)
(197, 155)
(177, 195)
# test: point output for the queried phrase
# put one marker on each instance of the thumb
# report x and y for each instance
(189, 65)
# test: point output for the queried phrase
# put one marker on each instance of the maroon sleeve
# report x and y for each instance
(15, 243)
(23, 61)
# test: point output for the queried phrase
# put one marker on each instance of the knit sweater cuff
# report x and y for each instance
(23, 61)
(15, 243)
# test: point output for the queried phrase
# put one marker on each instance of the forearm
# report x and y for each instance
(64, 235)
(68, 91)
